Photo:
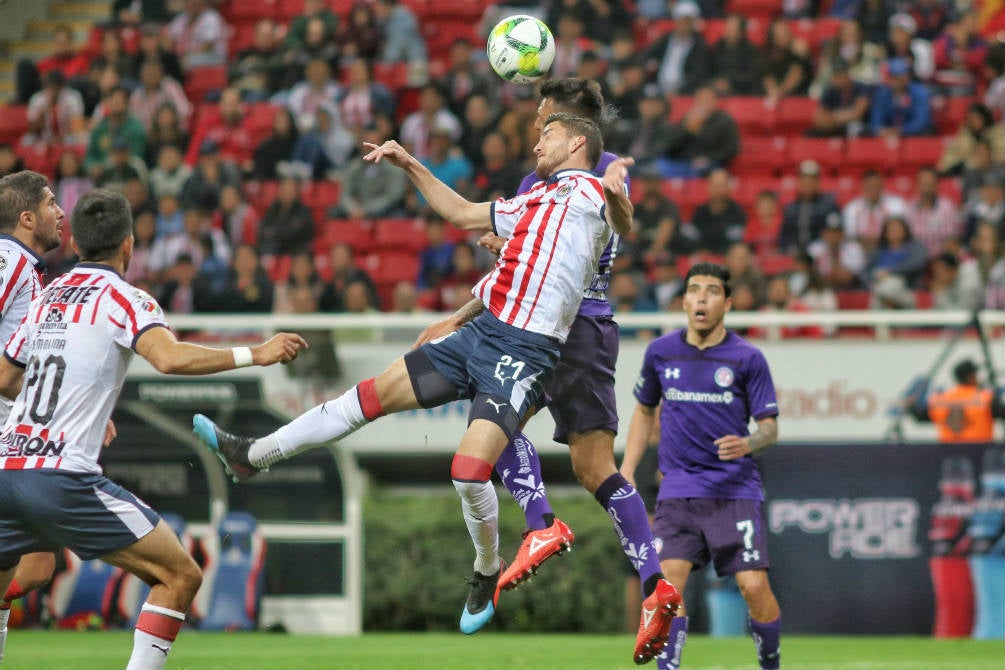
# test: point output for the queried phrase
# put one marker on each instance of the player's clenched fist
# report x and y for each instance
(280, 348)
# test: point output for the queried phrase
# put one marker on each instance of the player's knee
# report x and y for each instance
(37, 572)
(591, 467)
(187, 579)
(754, 590)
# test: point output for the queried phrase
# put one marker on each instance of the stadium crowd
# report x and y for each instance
(843, 154)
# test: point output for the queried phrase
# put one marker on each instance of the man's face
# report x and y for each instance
(553, 149)
(49, 227)
(705, 303)
(546, 108)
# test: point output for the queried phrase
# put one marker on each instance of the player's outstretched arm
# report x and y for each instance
(444, 327)
(732, 447)
(447, 202)
(10, 378)
(637, 441)
(619, 209)
(162, 349)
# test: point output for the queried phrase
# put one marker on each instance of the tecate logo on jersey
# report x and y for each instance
(867, 528)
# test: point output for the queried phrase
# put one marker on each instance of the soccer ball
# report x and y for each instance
(520, 49)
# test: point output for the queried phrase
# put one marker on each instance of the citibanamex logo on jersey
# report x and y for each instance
(864, 528)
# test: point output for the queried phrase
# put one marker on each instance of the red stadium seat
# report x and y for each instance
(795, 115)
(357, 234)
(201, 81)
(400, 234)
(871, 153)
(278, 267)
(392, 267)
(679, 106)
(13, 122)
(647, 32)
(951, 188)
(287, 10)
(918, 152)
(751, 114)
(949, 115)
(749, 187)
(712, 30)
(827, 152)
(825, 28)
(250, 10)
(853, 299)
(392, 75)
(844, 188)
(469, 10)
(759, 156)
(765, 9)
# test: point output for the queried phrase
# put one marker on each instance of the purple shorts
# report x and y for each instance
(730, 533)
(579, 393)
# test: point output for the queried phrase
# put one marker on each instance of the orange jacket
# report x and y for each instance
(963, 414)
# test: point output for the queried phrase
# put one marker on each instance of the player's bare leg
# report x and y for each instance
(33, 571)
(159, 559)
(765, 616)
(677, 571)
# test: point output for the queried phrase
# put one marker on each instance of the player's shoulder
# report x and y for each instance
(11, 253)
(743, 347)
(666, 343)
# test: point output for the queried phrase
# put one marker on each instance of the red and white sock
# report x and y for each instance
(156, 630)
(480, 507)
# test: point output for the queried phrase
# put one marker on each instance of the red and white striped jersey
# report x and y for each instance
(75, 343)
(20, 283)
(556, 232)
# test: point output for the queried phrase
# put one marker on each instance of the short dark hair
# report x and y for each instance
(101, 221)
(580, 125)
(20, 192)
(965, 371)
(710, 270)
(578, 96)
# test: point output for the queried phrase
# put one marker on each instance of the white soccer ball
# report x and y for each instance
(520, 49)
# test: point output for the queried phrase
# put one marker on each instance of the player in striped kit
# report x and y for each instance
(65, 364)
(557, 232)
(30, 225)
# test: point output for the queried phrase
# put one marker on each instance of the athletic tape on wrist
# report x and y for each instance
(242, 357)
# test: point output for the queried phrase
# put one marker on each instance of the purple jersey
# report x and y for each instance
(706, 394)
(595, 301)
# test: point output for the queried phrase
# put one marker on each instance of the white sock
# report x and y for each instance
(331, 420)
(153, 637)
(481, 515)
(4, 615)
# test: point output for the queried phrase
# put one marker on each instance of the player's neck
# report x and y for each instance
(115, 264)
(28, 240)
(702, 339)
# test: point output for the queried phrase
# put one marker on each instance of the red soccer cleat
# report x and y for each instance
(537, 547)
(658, 610)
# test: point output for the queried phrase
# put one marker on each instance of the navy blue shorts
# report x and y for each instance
(87, 513)
(730, 533)
(580, 393)
(491, 357)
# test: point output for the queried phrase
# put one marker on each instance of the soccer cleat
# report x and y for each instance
(232, 450)
(658, 610)
(536, 548)
(482, 598)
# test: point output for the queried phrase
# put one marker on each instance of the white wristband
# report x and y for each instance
(242, 357)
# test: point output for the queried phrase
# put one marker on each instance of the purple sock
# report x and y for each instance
(767, 639)
(519, 469)
(670, 658)
(628, 514)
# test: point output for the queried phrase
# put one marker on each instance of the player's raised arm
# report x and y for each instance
(619, 209)
(447, 202)
(169, 356)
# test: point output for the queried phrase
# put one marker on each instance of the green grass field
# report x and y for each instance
(487, 651)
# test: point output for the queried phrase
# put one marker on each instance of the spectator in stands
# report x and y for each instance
(100, 82)
(165, 130)
(706, 138)
(900, 108)
(316, 10)
(666, 285)
(479, 120)
(571, 44)
(55, 115)
(805, 217)
(978, 126)
(229, 132)
(897, 253)
(960, 52)
(153, 45)
(989, 253)
(198, 240)
(627, 85)
(736, 63)
(436, 260)
(627, 295)
(405, 299)
(648, 139)
(904, 43)
(874, 17)
(170, 218)
(144, 231)
(258, 70)
(287, 226)
(137, 193)
(117, 122)
(277, 148)
(843, 107)
(931, 16)
(402, 35)
(446, 162)
(463, 78)
(600, 19)
(238, 219)
(155, 90)
(779, 299)
(765, 224)
(211, 174)
(120, 167)
(839, 261)
(344, 272)
(787, 67)
(720, 221)
(112, 55)
(300, 292)
(371, 190)
(497, 177)
(134, 13)
(325, 145)
(954, 287)
(994, 97)
(979, 167)
(10, 162)
(432, 113)
(184, 289)
(625, 73)
(680, 59)
(987, 207)
(317, 90)
(743, 269)
(453, 290)
(517, 124)
(198, 35)
(170, 173)
(318, 45)
(65, 58)
(865, 217)
(71, 181)
(248, 287)
(363, 99)
(812, 289)
(934, 219)
(658, 226)
(847, 51)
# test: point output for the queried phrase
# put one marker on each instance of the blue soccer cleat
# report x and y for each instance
(232, 450)
(482, 598)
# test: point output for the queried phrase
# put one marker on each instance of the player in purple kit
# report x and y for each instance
(580, 396)
(710, 382)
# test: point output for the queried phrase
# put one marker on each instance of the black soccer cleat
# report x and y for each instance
(232, 450)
